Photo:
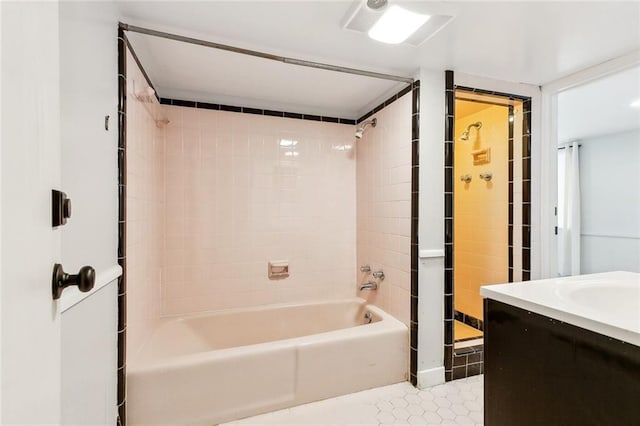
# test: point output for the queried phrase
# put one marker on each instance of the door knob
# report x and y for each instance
(85, 279)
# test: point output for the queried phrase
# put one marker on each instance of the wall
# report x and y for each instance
(610, 202)
(89, 359)
(384, 207)
(237, 199)
(145, 209)
(89, 91)
(480, 208)
(30, 369)
(431, 234)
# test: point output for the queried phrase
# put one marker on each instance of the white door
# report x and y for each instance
(30, 169)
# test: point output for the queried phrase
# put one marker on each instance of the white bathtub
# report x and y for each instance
(215, 367)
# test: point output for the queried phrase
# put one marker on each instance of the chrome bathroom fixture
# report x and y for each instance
(465, 135)
(487, 176)
(465, 178)
(376, 4)
(369, 285)
(363, 125)
(368, 317)
(379, 275)
(365, 268)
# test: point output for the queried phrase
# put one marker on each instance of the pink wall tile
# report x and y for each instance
(145, 211)
(383, 185)
(237, 198)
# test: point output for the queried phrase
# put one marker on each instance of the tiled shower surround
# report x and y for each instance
(212, 193)
(145, 208)
(246, 189)
(384, 207)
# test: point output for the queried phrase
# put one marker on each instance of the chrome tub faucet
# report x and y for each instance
(369, 285)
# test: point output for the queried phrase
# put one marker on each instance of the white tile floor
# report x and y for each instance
(454, 403)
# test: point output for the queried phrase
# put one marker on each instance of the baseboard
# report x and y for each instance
(431, 377)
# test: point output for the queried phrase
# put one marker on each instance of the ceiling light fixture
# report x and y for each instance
(396, 25)
(635, 104)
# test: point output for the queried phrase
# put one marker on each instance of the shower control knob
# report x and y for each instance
(85, 280)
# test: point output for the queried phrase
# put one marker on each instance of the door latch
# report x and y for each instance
(60, 208)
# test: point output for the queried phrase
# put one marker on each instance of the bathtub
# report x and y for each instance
(220, 366)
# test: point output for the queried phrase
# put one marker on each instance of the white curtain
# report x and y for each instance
(569, 210)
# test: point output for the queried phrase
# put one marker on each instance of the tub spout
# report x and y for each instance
(370, 285)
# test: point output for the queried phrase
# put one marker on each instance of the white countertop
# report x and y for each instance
(607, 303)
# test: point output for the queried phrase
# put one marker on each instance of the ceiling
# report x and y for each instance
(528, 42)
(600, 107)
(200, 73)
(464, 108)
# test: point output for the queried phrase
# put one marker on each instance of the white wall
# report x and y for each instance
(431, 233)
(89, 91)
(610, 202)
(89, 338)
(30, 166)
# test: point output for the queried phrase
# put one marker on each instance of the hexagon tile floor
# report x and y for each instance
(455, 403)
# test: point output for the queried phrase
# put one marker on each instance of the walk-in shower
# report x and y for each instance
(364, 124)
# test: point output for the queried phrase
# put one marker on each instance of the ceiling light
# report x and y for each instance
(396, 25)
(635, 104)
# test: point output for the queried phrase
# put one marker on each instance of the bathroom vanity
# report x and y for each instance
(563, 351)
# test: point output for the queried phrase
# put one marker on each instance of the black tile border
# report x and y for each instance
(415, 196)
(392, 99)
(255, 111)
(121, 400)
(467, 362)
(455, 366)
(449, 314)
(526, 190)
(469, 320)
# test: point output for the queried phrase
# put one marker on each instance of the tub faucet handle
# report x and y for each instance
(365, 268)
(379, 274)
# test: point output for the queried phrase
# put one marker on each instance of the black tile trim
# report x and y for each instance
(415, 107)
(467, 362)
(449, 144)
(123, 44)
(255, 111)
(415, 190)
(449, 141)
(469, 320)
(526, 191)
(493, 93)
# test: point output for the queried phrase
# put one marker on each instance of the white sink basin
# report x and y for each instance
(605, 299)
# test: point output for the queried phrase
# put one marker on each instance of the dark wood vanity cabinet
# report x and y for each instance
(542, 371)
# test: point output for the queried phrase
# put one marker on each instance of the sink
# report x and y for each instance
(604, 298)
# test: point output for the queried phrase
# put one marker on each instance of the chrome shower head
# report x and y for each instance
(376, 4)
(465, 135)
(360, 130)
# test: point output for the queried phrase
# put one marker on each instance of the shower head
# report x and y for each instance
(376, 4)
(465, 135)
(360, 130)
